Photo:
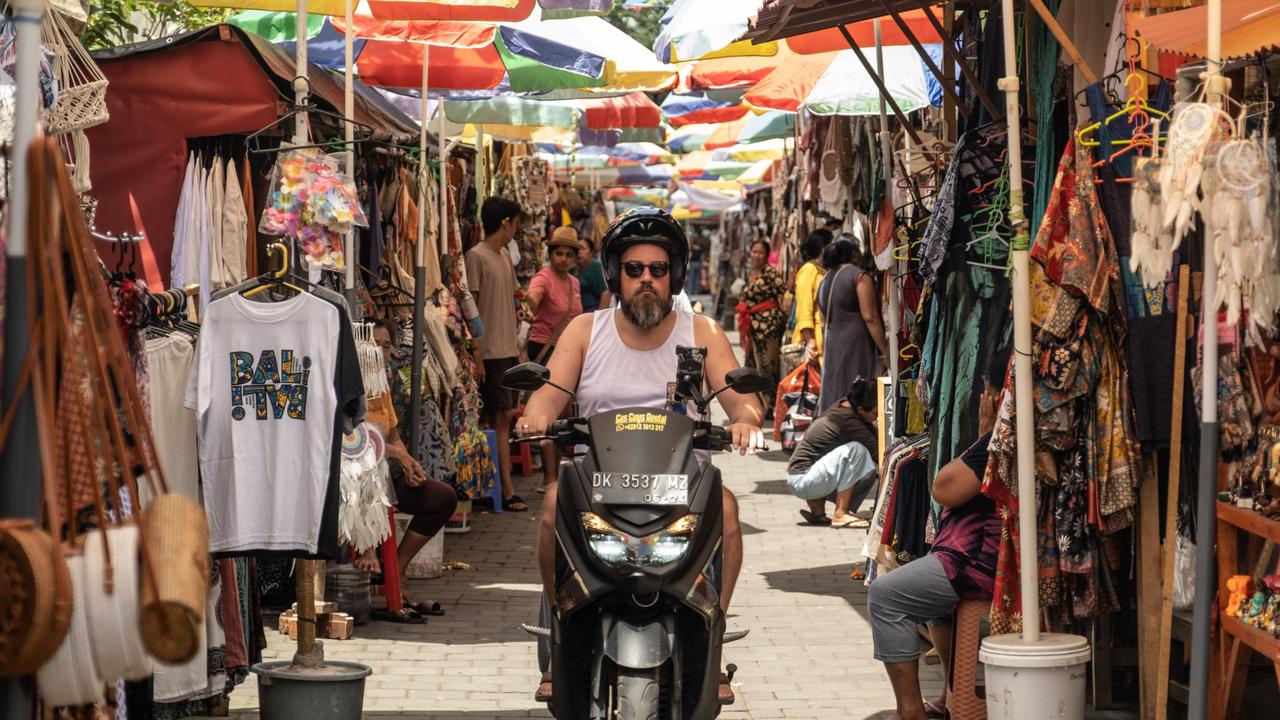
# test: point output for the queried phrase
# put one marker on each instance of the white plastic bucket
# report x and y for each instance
(1035, 681)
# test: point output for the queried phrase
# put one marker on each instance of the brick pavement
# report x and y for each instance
(808, 655)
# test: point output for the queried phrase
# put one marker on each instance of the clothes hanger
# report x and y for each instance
(253, 140)
(279, 278)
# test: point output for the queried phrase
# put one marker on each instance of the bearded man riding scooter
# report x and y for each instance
(626, 357)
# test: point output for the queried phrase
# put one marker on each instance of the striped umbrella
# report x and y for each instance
(697, 29)
(489, 11)
(838, 84)
(703, 107)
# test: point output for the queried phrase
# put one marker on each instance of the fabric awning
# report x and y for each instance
(1248, 27)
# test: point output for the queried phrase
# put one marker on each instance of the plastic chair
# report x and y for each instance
(495, 480)
(390, 559)
(963, 702)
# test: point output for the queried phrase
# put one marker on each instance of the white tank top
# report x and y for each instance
(615, 376)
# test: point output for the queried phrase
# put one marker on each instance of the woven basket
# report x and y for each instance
(82, 88)
(71, 678)
(176, 553)
(35, 598)
(114, 614)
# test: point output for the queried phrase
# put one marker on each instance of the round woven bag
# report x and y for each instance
(71, 677)
(114, 616)
(35, 598)
(176, 537)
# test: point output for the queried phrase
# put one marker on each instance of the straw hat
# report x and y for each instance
(565, 236)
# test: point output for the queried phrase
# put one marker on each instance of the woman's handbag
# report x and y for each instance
(35, 597)
(113, 570)
(71, 677)
(176, 534)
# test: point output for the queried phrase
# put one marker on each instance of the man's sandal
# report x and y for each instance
(543, 694)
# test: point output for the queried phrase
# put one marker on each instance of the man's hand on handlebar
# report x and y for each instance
(747, 438)
(532, 426)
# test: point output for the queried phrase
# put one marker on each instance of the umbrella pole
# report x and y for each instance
(1024, 406)
(349, 133)
(1206, 515)
(886, 159)
(443, 153)
(420, 267)
(18, 497)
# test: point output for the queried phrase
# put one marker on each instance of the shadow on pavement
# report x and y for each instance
(771, 487)
(431, 715)
(778, 456)
(830, 580)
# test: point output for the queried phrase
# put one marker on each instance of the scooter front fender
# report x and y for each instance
(637, 646)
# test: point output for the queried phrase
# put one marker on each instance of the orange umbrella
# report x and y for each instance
(787, 87)
(863, 32)
(726, 135)
(736, 72)
(462, 10)
(1248, 27)
(461, 55)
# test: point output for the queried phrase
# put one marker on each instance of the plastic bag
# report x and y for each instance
(797, 404)
(1184, 573)
(313, 202)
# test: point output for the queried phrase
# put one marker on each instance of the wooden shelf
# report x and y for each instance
(1256, 638)
(1249, 521)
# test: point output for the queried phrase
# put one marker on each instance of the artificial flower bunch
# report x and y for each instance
(314, 203)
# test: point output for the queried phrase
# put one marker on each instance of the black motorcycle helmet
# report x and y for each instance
(638, 226)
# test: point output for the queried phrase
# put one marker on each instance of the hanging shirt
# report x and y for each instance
(181, 227)
(270, 385)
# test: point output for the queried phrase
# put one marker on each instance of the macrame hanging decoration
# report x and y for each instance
(1151, 242)
(1193, 128)
(372, 365)
(362, 514)
(1238, 219)
(81, 95)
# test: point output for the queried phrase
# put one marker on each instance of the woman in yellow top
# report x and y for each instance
(808, 321)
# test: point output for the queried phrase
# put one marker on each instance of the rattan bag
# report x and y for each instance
(177, 542)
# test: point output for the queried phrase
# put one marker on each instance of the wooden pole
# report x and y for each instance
(948, 90)
(1065, 41)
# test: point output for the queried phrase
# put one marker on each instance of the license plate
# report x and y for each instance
(639, 489)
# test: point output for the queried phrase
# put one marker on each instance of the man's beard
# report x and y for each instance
(646, 309)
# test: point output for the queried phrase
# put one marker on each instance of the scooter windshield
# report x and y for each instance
(641, 440)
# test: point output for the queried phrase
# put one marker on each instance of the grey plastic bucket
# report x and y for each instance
(333, 692)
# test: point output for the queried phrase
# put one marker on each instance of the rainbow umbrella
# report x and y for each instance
(489, 11)
(768, 126)
(690, 137)
(703, 107)
(697, 29)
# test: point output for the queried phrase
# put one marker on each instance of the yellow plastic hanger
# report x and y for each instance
(277, 279)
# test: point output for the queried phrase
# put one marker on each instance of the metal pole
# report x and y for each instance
(886, 158)
(19, 466)
(349, 134)
(420, 267)
(1206, 510)
(1024, 405)
(301, 86)
(443, 188)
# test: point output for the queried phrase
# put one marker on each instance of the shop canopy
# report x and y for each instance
(838, 84)
(1248, 27)
(864, 34)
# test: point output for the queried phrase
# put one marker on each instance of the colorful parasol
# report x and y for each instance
(863, 33)
(697, 29)
(703, 107)
(489, 11)
(838, 84)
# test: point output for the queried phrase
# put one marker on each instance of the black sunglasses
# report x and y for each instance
(635, 269)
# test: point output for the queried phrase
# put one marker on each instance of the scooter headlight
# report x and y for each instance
(614, 547)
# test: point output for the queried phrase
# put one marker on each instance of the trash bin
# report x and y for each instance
(332, 692)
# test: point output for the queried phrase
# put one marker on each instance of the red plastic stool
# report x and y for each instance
(390, 559)
(963, 701)
(521, 453)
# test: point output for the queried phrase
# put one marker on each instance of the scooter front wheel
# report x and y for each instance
(637, 694)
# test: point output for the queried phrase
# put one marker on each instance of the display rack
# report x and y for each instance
(1238, 640)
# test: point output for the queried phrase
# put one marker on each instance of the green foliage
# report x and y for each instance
(121, 22)
(643, 24)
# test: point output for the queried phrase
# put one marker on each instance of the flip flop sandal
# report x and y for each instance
(511, 502)
(544, 692)
(406, 616)
(852, 521)
(432, 608)
(815, 519)
(932, 710)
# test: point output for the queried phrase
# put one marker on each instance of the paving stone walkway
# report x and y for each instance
(808, 654)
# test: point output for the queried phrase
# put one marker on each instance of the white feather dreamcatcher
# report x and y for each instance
(1151, 243)
(363, 520)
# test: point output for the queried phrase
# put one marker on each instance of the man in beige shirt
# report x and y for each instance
(492, 281)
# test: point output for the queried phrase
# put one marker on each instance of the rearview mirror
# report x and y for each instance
(526, 376)
(747, 380)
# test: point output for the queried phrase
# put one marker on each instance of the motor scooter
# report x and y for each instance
(636, 628)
